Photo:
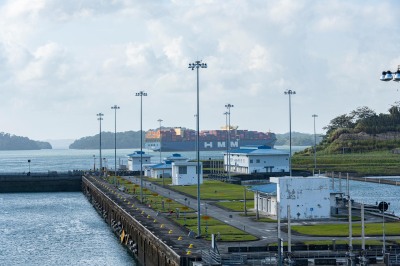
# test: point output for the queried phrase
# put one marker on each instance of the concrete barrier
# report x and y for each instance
(45, 182)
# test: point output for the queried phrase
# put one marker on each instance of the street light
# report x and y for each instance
(229, 106)
(290, 93)
(383, 206)
(227, 149)
(159, 121)
(100, 117)
(141, 94)
(196, 65)
(115, 107)
(315, 144)
(388, 75)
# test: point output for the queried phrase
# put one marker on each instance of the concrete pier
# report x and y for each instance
(152, 238)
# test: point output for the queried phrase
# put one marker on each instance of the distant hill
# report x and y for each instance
(298, 139)
(125, 140)
(12, 142)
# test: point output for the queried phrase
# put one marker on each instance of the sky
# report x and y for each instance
(63, 62)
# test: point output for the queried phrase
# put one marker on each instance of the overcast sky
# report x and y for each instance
(62, 62)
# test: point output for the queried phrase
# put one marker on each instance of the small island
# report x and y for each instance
(10, 142)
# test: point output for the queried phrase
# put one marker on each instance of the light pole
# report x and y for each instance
(196, 65)
(315, 145)
(115, 107)
(227, 147)
(290, 93)
(159, 121)
(100, 117)
(229, 106)
(141, 94)
(383, 206)
(388, 75)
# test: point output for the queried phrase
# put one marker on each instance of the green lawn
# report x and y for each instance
(369, 163)
(187, 216)
(236, 205)
(216, 190)
(371, 229)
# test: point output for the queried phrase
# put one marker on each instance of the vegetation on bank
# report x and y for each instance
(12, 142)
(361, 143)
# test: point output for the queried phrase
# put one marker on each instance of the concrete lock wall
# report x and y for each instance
(148, 249)
(14, 183)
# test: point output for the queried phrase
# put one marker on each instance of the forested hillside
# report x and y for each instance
(12, 142)
(362, 130)
(125, 140)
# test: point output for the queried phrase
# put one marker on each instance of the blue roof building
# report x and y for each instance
(257, 159)
(134, 160)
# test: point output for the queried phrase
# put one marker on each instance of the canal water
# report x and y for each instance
(56, 229)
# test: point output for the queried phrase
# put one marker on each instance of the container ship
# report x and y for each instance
(183, 139)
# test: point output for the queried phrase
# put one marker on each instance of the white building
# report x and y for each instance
(257, 159)
(308, 197)
(134, 160)
(185, 173)
(164, 169)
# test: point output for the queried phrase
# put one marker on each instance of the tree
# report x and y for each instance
(362, 113)
(394, 110)
(342, 121)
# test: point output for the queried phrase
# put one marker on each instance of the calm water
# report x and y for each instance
(66, 160)
(372, 193)
(55, 229)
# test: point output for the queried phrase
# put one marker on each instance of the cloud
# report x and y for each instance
(84, 56)
(48, 63)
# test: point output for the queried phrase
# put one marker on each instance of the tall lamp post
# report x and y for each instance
(315, 144)
(227, 148)
(159, 121)
(290, 93)
(141, 94)
(100, 117)
(115, 107)
(383, 206)
(196, 65)
(229, 106)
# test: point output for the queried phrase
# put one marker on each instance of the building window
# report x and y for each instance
(182, 170)
(251, 160)
(258, 161)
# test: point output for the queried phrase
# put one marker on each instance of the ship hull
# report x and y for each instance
(206, 145)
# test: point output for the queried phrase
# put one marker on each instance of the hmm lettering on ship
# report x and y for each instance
(208, 145)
